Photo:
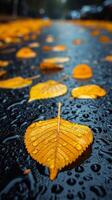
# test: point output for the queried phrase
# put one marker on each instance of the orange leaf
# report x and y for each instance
(2, 72)
(49, 39)
(77, 41)
(82, 71)
(57, 142)
(26, 52)
(34, 44)
(105, 39)
(48, 89)
(50, 66)
(108, 58)
(4, 63)
(57, 59)
(88, 92)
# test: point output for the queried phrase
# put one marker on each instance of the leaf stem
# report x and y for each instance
(59, 109)
(34, 77)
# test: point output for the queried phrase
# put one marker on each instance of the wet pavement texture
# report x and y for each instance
(90, 177)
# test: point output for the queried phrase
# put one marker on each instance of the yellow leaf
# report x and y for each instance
(50, 66)
(57, 59)
(59, 48)
(49, 39)
(2, 72)
(26, 52)
(34, 45)
(56, 142)
(82, 71)
(108, 58)
(48, 89)
(4, 63)
(88, 91)
(17, 82)
(54, 48)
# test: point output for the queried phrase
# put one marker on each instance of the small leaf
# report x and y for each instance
(95, 33)
(57, 60)
(105, 39)
(49, 39)
(56, 142)
(34, 44)
(48, 89)
(2, 72)
(82, 71)
(4, 63)
(16, 82)
(55, 48)
(26, 52)
(77, 41)
(88, 91)
(108, 58)
(50, 66)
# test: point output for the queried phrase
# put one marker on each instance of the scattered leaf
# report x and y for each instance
(77, 41)
(27, 171)
(26, 52)
(57, 60)
(57, 142)
(88, 92)
(48, 89)
(108, 58)
(95, 33)
(54, 48)
(82, 71)
(4, 63)
(50, 66)
(2, 72)
(49, 39)
(59, 48)
(105, 39)
(17, 82)
(34, 45)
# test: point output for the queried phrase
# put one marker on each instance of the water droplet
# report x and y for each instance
(57, 188)
(95, 167)
(79, 169)
(98, 190)
(71, 181)
(81, 195)
(88, 177)
(70, 196)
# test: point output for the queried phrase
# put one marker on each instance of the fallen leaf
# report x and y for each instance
(57, 60)
(108, 58)
(2, 72)
(27, 171)
(17, 82)
(25, 52)
(4, 63)
(77, 41)
(59, 48)
(88, 92)
(34, 45)
(105, 39)
(95, 33)
(50, 66)
(49, 39)
(82, 71)
(54, 48)
(57, 142)
(48, 89)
